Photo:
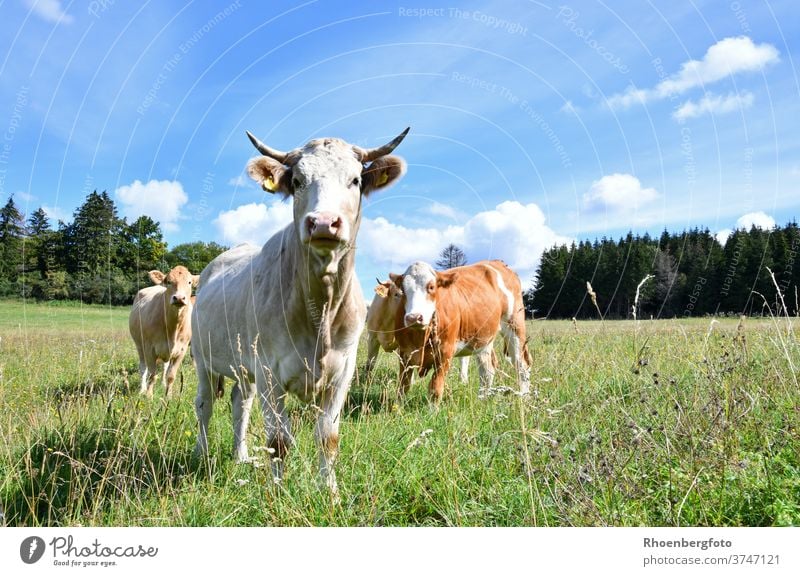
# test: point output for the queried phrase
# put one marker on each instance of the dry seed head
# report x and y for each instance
(591, 293)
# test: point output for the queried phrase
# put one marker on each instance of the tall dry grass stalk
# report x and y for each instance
(593, 297)
(636, 299)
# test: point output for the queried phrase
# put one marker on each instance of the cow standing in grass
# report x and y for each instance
(381, 316)
(380, 322)
(459, 312)
(287, 317)
(160, 324)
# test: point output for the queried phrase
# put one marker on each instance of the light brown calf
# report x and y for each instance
(380, 321)
(160, 324)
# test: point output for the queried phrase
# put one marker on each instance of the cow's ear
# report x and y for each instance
(157, 276)
(444, 279)
(196, 280)
(271, 175)
(382, 290)
(382, 173)
(397, 279)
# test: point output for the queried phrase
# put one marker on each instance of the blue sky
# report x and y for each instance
(532, 122)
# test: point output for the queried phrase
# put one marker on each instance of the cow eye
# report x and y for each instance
(355, 183)
(296, 183)
(430, 288)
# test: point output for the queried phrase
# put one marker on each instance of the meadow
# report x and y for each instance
(684, 422)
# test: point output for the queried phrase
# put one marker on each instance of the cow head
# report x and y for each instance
(388, 290)
(419, 284)
(388, 299)
(326, 178)
(178, 282)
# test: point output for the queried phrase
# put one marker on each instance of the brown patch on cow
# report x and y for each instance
(331, 443)
(470, 308)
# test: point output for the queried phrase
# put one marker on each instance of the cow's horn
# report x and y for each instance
(368, 155)
(266, 150)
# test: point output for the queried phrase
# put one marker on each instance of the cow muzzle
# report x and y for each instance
(414, 321)
(324, 228)
(178, 300)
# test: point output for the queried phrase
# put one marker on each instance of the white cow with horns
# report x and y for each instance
(287, 317)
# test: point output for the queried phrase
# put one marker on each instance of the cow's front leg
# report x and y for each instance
(326, 432)
(149, 378)
(463, 373)
(171, 370)
(517, 351)
(486, 366)
(276, 422)
(409, 362)
(439, 373)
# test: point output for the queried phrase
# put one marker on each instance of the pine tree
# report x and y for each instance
(92, 239)
(665, 285)
(12, 232)
(39, 253)
(451, 257)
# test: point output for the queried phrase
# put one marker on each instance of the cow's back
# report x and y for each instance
(147, 314)
(471, 308)
(147, 322)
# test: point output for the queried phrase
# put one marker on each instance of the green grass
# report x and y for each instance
(661, 423)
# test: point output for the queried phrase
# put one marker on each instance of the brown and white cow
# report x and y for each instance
(160, 324)
(459, 312)
(380, 321)
(381, 316)
(287, 317)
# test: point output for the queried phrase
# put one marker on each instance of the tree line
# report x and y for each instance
(97, 258)
(102, 258)
(687, 274)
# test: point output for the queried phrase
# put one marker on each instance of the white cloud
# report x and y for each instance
(512, 232)
(745, 222)
(727, 57)
(618, 192)
(162, 200)
(398, 246)
(445, 210)
(711, 104)
(25, 197)
(723, 235)
(49, 10)
(569, 108)
(240, 181)
(758, 219)
(54, 213)
(254, 223)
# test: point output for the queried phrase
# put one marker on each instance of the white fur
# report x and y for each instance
(415, 282)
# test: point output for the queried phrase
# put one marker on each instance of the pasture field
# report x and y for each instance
(664, 423)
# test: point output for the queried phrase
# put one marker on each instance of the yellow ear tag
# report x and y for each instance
(381, 290)
(383, 179)
(269, 185)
